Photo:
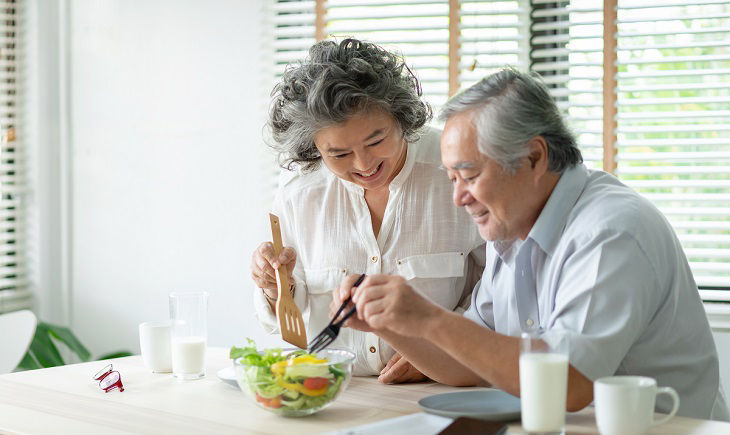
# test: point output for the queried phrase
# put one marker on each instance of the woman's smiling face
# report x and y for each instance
(368, 149)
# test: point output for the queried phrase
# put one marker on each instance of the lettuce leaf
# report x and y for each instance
(251, 356)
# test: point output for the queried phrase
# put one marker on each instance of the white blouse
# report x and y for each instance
(424, 237)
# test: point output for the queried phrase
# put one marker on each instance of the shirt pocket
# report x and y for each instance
(323, 281)
(442, 265)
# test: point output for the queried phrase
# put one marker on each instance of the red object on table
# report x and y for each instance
(109, 379)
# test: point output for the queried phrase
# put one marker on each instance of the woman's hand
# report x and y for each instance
(263, 263)
(400, 370)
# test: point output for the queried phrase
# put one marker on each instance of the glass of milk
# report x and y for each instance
(189, 337)
(543, 384)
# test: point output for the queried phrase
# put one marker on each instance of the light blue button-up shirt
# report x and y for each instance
(611, 277)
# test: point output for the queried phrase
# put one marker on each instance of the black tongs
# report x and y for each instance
(329, 333)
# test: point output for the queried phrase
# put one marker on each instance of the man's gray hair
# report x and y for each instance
(335, 82)
(511, 108)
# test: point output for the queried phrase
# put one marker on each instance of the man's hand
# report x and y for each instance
(263, 263)
(345, 290)
(399, 370)
(387, 302)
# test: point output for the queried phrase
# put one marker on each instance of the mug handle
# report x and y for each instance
(675, 407)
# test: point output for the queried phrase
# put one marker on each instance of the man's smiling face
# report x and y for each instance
(499, 201)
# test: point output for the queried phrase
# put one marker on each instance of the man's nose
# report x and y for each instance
(461, 195)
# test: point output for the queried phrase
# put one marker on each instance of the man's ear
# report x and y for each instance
(538, 155)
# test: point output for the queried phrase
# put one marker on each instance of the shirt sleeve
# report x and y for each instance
(606, 296)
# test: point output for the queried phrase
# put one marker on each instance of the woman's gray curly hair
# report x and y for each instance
(335, 82)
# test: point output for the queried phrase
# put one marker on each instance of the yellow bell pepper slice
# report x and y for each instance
(300, 388)
(279, 368)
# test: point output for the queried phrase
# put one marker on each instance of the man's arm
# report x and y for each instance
(444, 345)
(460, 352)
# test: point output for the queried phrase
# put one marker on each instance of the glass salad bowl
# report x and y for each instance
(292, 383)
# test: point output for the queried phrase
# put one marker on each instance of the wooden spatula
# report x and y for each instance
(291, 324)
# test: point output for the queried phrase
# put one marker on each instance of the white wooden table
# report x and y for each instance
(67, 400)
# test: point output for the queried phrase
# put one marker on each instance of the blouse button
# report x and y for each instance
(374, 259)
(529, 322)
(372, 349)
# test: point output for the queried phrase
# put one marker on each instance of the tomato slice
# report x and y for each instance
(274, 403)
(315, 383)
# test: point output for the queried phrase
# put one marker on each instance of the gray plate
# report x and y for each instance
(485, 404)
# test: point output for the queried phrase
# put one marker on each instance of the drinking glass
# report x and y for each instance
(189, 316)
(543, 384)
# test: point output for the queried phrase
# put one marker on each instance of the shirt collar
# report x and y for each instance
(395, 184)
(405, 171)
(507, 249)
(554, 216)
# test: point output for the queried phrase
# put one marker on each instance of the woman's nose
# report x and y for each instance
(363, 160)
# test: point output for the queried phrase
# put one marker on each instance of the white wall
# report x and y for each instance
(41, 132)
(169, 183)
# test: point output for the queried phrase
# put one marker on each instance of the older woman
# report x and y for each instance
(364, 194)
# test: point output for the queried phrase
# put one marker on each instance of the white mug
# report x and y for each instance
(625, 404)
(154, 342)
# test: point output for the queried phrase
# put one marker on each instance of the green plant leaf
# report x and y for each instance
(28, 363)
(43, 349)
(119, 354)
(65, 336)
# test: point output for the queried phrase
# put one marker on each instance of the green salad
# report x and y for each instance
(294, 382)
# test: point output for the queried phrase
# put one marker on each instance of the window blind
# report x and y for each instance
(290, 32)
(493, 34)
(14, 292)
(674, 122)
(567, 50)
(419, 30)
(294, 32)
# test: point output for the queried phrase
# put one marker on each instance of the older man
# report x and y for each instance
(572, 253)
